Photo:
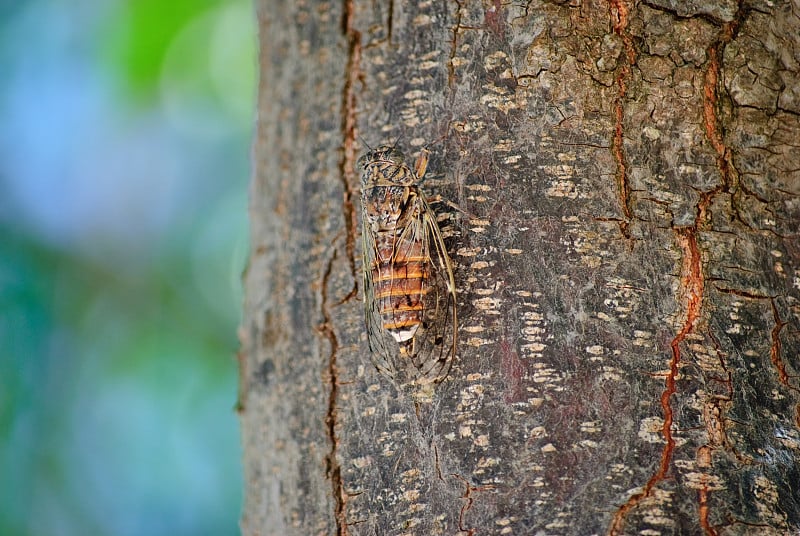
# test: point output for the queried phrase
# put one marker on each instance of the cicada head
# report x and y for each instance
(386, 166)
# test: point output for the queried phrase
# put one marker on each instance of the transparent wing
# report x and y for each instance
(429, 354)
(435, 341)
(382, 346)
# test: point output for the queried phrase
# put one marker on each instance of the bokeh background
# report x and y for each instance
(125, 131)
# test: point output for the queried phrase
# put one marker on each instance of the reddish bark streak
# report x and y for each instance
(495, 19)
(347, 172)
(715, 135)
(513, 371)
(619, 22)
(703, 500)
(777, 359)
(333, 469)
(710, 98)
(693, 284)
(349, 134)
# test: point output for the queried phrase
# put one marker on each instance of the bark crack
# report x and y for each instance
(619, 22)
(712, 122)
(714, 421)
(349, 128)
(451, 68)
(347, 176)
(742, 293)
(469, 489)
(703, 510)
(693, 284)
(775, 349)
(332, 468)
(451, 61)
(776, 356)
(692, 279)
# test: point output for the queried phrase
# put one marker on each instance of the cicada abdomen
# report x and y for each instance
(409, 290)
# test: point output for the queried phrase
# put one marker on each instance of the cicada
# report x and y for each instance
(409, 289)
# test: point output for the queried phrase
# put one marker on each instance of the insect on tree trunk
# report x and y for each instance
(626, 258)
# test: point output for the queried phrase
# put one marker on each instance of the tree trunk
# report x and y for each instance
(626, 256)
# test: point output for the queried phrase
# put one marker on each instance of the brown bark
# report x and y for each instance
(627, 264)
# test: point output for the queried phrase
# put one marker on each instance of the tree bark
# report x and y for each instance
(627, 261)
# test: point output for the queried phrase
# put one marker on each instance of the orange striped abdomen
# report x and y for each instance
(400, 277)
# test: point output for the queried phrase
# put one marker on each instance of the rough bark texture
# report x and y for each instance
(627, 262)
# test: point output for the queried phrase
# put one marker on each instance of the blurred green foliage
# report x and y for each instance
(120, 300)
(138, 34)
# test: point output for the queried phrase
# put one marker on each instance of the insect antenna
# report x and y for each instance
(360, 137)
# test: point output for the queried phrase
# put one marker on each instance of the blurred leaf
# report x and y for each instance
(140, 35)
(208, 74)
(117, 347)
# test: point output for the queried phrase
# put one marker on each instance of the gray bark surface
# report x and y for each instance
(627, 261)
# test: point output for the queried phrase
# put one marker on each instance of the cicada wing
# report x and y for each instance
(382, 346)
(435, 341)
